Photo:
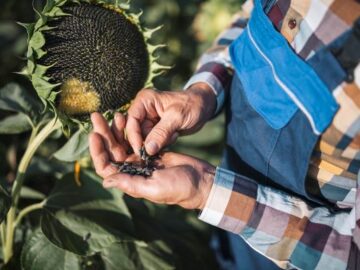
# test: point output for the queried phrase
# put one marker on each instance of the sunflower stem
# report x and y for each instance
(27, 210)
(35, 141)
(3, 232)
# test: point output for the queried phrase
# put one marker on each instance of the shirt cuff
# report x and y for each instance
(231, 201)
(218, 77)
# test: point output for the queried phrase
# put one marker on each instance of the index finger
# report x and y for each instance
(142, 108)
(134, 134)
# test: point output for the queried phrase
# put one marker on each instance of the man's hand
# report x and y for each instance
(159, 117)
(108, 144)
(178, 179)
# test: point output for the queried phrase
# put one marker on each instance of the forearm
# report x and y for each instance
(281, 226)
(205, 98)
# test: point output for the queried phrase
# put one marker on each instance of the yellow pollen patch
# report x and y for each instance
(125, 107)
(78, 97)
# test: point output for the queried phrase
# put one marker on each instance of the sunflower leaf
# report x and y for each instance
(50, 4)
(29, 27)
(39, 253)
(15, 98)
(15, 124)
(40, 53)
(41, 21)
(42, 86)
(85, 219)
(138, 255)
(30, 62)
(40, 70)
(37, 41)
(29, 193)
(52, 96)
(56, 11)
(74, 147)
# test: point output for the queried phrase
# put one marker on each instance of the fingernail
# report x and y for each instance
(152, 148)
(118, 116)
(92, 117)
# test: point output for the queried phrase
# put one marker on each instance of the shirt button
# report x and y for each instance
(292, 23)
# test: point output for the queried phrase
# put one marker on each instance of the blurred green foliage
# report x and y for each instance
(189, 26)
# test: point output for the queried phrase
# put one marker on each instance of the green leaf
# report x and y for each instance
(85, 219)
(40, 53)
(29, 27)
(211, 133)
(45, 166)
(37, 41)
(137, 255)
(29, 55)
(14, 124)
(39, 253)
(56, 11)
(5, 203)
(50, 4)
(30, 63)
(15, 98)
(29, 193)
(74, 147)
(40, 70)
(40, 22)
(180, 229)
(52, 97)
(43, 87)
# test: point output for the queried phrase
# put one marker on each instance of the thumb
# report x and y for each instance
(162, 134)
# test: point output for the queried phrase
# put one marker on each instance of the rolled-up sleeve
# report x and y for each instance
(215, 67)
(282, 227)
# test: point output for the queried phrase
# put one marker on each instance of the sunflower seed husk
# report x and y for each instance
(144, 168)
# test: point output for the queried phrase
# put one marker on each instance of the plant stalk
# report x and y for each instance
(3, 232)
(33, 134)
(27, 210)
(8, 249)
(34, 144)
(29, 153)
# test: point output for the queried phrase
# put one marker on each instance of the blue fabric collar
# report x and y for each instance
(288, 78)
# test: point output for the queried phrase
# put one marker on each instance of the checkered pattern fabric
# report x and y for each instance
(281, 226)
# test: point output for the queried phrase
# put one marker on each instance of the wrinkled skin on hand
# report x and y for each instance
(178, 179)
(159, 117)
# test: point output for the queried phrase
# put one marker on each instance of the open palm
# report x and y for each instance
(178, 179)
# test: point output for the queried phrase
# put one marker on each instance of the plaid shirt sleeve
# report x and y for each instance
(282, 227)
(215, 67)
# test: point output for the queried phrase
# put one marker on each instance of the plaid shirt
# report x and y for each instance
(281, 226)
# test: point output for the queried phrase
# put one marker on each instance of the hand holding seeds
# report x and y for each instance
(176, 178)
(144, 168)
(158, 117)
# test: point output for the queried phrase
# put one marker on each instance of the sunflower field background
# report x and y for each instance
(69, 221)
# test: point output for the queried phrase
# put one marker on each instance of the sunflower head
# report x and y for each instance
(89, 55)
